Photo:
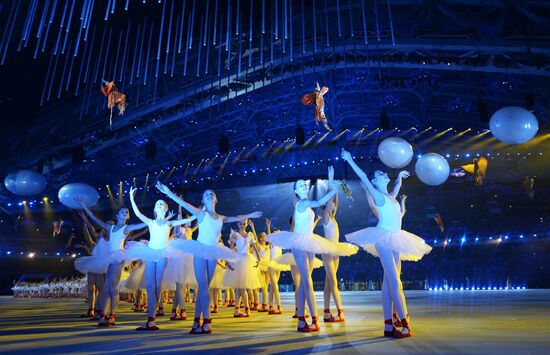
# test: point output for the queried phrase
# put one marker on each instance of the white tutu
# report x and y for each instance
(287, 259)
(99, 263)
(181, 270)
(136, 280)
(216, 281)
(310, 243)
(138, 250)
(203, 251)
(245, 273)
(409, 246)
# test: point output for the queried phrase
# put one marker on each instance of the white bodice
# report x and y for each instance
(116, 239)
(389, 215)
(304, 221)
(331, 230)
(159, 235)
(209, 229)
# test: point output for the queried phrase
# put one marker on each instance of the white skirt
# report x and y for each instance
(310, 243)
(138, 250)
(181, 270)
(204, 251)
(287, 259)
(136, 280)
(409, 246)
(99, 263)
(245, 273)
(219, 274)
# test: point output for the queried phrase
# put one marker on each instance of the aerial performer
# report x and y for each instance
(478, 168)
(388, 242)
(317, 99)
(205, 250)
(114, 98)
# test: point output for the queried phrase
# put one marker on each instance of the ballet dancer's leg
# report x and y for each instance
(303, 262)
(394, 286)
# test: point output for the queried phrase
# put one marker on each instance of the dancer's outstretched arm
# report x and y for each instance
(372, 206)
(376, 195)
(303, 204)
(179, 222)
(398, 182)
(240, 218)
(96, 220)
(138, 213)
(197, 212)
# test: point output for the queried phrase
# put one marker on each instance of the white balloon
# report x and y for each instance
(513, 125)
(395, 152)
(84, 192)
(25, 182)
(432, 169)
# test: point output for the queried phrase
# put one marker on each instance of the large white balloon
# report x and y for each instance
(25, 182)
(513, 125)
(395, 152)
(87, 194)
(432, 169)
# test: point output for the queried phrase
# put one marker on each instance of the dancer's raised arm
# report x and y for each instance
(195, 211)
(240, 218)
(376, 195)
(90, 214)
(397, 186)
(304, 203)
(135, 208)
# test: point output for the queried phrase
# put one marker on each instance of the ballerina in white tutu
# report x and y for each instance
(387, 302)
(274, 270)
(244, 274)
(388, 242)
(95, 281)
(180, 271)
(111, 264)
(331, 262)
(305, 245)
(205, 250)
(154, 254)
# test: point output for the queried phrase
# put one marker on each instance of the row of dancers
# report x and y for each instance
(58, 288)
(171, 259)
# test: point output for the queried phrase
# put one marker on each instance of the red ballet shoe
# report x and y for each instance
(206, 327)
(196, 329)
(263, 309)
(315, 327)
(149, 326)
(238, 313)
(103, 321)
(215, 310)
(111, 321)
(389, 333)
(160, 312)
(405, 331)
(88, 314)
(183, 314)
(305, 328)
(396, 321)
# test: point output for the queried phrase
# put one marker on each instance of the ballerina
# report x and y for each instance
(180, 271)
(305, 244)
(331, 262)
(112, 264)
(205, 250)
(274, 270)
(154, 254)
(387, 301)
(388, 242)
(244, 274)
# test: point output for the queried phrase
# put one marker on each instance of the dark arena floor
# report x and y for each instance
(443, 322)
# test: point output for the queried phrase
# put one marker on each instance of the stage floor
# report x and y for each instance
(460, 322)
